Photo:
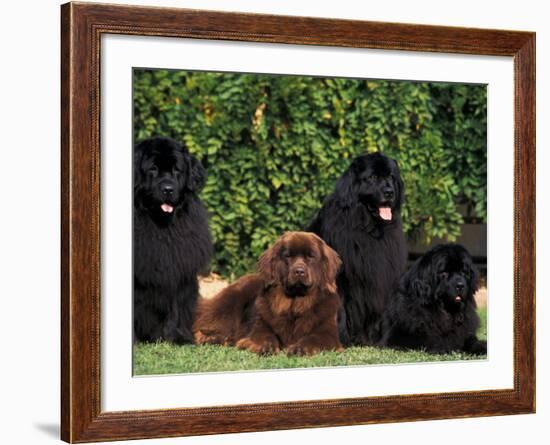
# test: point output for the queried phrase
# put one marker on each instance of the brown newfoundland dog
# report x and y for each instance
(291, 304)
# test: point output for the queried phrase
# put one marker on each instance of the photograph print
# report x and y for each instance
(284, 221)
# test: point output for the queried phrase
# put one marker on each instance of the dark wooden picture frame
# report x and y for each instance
(82, 26)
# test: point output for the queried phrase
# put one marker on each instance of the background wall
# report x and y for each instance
(29, 234)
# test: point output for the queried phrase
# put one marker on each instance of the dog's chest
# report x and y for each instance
(168, 253)
(289, 317)
(285, 307)
(367, 257)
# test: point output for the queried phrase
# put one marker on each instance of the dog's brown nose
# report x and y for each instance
(300, 271)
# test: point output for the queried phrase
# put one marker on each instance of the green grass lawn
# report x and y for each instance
(165, 358)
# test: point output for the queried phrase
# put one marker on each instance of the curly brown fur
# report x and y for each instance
(290, 304)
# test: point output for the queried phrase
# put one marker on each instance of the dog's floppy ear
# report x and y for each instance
(421, 291)
(417, 284)
(197, 174)
(345, 186)
(266, 264)
(399, 186)
(139, 150)
(331, 265)
(473, 279)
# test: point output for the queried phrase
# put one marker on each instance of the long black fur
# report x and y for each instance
(170, 248)
(434, 308)
(373, 250)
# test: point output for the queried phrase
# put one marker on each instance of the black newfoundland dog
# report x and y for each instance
(361, 220)
(172, 242)
(434, 308)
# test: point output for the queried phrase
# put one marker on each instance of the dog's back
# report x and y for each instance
(227, 317)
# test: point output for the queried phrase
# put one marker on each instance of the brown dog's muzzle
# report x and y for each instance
(299, 271)
(299, 275)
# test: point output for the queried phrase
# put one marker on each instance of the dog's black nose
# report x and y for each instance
(388, 193)
(460, 286)
(300, 271)
(167, 189)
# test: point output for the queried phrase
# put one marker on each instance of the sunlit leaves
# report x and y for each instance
(274, 147)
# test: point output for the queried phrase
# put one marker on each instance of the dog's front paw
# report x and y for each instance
(202, 338)
(265, 347)
(302, 349)
(177, 336)
(478, 347)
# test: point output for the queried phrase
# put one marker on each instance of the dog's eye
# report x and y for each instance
(153, 170)
(443, 274)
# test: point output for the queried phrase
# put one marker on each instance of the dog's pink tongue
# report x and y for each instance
(167, 208)
(385, 213)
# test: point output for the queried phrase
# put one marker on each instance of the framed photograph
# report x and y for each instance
(274, 222)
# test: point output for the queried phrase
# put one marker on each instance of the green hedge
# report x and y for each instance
(274, 147)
